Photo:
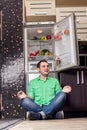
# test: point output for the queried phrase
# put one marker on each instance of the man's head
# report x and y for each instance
(43, 67)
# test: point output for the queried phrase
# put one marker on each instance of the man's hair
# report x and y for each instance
(38, 64)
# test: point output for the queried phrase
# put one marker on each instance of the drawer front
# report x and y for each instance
(82, 36)
(62, 12)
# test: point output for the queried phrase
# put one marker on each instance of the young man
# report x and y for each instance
(45, 97)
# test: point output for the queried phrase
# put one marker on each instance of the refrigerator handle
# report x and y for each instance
(78, 82)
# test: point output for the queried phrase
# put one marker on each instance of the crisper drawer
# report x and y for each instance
(33, 66)
(40, 7)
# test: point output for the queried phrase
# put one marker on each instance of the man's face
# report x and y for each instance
(44, 68)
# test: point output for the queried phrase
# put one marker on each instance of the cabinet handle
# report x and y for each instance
(78, 77)
(40, 13)
(82, 77)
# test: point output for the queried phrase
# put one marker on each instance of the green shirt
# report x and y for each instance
(43, 92)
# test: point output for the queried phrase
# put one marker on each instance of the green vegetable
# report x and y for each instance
(43, 52)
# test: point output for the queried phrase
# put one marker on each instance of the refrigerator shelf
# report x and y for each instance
(39, 42)
(36, 58)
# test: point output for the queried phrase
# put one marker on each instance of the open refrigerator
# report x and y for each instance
(55, 42)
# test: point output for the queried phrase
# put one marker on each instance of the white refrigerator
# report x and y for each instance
(55, 42)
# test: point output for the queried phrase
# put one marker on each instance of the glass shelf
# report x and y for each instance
(39, 42)
(35, 58)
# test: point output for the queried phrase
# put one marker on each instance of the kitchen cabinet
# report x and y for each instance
(81, 19)
(77, 78)
(39, 10)
(76, 104)
(39, 7)
(55, 42)
(74, 3)
(83, 53)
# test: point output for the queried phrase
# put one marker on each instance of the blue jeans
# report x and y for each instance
(56, 104)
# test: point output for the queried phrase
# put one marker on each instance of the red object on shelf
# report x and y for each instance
(66, 31)
(37, 52)
(48, 37)
(57, 37)
(31, 54)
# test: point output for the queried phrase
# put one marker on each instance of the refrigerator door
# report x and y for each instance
(65, 44)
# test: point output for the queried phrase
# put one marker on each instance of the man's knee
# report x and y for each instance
(25, 101)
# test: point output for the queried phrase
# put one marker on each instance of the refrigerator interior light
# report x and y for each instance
(39, 31)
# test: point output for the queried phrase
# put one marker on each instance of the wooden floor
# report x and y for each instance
(64, 124)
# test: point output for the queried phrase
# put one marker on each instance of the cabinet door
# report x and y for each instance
(76, 97)
(81, 19)
(65, 44)
(39, 8)
(84, 85)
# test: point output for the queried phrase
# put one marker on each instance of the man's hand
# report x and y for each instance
(21, 95)
(67, 89)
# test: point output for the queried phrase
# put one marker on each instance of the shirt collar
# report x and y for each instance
(38, 78)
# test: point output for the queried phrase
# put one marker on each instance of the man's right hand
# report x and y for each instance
(21, 95)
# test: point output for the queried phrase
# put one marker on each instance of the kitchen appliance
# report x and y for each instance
(55, 42)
